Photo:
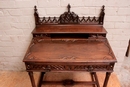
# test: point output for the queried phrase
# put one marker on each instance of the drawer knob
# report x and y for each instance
(90, 68)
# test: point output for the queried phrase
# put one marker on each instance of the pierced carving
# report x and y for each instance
(69, 18)
(49, 20)
(57, 67)
(128, 49)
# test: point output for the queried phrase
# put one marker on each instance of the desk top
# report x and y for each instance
(56, 50)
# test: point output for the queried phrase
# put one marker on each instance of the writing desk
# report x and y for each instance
(69, 44)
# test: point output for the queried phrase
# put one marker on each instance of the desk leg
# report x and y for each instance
(32, 78)
(106, 79)
(95, 79)
(41, 79)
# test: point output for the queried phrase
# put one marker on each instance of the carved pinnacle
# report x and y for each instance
(103, 8)
(35, 8)
(68, 7)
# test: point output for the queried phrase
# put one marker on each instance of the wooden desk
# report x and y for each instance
(69, 46)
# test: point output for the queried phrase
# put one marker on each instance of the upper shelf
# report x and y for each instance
(52, 29)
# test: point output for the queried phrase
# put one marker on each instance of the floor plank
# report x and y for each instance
(21, 79)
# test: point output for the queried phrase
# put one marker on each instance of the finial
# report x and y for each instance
(36, 16)
(68, 7)
(102, 14)
(103, 8)
(35, 8)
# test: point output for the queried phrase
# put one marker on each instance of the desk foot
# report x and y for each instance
(106, 79)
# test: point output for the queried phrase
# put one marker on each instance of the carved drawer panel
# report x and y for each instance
(65, 67)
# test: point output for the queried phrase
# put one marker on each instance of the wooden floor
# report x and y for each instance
(21, 79)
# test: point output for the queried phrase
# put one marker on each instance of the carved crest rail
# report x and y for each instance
(69, 18)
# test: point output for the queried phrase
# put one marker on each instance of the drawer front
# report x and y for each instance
(68, 67)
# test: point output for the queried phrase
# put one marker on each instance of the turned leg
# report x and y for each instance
(41, 79)
(95, 79)
(32, 79)
(92, 78)
(106, 79)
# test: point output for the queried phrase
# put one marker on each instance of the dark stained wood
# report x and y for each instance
(102, 14)
(128, 49)
(32, 78)
(68, 82)
(69, 43)
(69, 17)
(106, 79)
(70, 51)
(36, 15)
(40, 79)
(69, 29)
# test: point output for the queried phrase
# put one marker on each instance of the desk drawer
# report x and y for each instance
(69, 67)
